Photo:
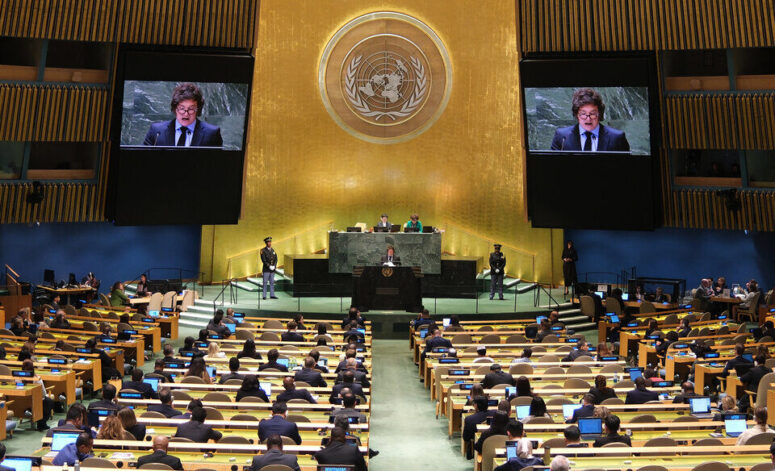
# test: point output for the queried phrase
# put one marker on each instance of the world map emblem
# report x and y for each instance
(385, 77)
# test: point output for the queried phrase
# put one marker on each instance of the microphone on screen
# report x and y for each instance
(562, 145)
(157, 138)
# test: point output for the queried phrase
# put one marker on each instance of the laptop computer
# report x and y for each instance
(283, 361)
(568, 409)
(613, 318)
(635, 373)
(522, 412)
(601, 294)
(211, 371)
(21, 463)
(267, 387)
(734, 425)
(353, 229)
(445, 322)
(60, 440)
(590, 427)
(395, 228)
(625, 296)
(154, 382)
(232, 327)
(381, 229)
(700, 407)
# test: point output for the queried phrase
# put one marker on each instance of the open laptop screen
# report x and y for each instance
(18, 463)
(522, 412)
(568, 409)
(591, 426)
(61, 439)
(734, 425)
(700, 405)
(154, 382)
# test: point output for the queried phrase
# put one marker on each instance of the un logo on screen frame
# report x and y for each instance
(385, 77)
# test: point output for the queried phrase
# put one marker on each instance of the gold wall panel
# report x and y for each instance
(305, 174)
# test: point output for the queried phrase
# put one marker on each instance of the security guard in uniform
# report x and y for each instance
(497, 264)
(269, 261)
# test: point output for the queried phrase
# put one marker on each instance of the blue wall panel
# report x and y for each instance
(680, 253)
(113, 253)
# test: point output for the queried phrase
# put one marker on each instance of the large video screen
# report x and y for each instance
(178, 133)
(154, 111)
(616, 117)
(591, 130)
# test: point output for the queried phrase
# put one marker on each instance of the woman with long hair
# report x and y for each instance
(111, 429)
(537, 409)
(250, 387)
(198, 369)
(249, 350)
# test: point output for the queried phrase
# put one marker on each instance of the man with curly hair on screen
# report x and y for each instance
(186, 130)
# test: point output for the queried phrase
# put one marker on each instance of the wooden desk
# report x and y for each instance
(28, 397)
(68, 293)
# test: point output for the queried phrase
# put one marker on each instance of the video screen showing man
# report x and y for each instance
(186, 129)
(588, 135)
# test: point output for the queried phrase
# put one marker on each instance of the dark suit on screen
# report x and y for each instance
(197, 432)
(396, 260)
(163, 134)
(609, 139)
(311, 376)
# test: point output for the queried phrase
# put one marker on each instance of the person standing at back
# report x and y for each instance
(497, 266)
(569, 259)
(269, 265)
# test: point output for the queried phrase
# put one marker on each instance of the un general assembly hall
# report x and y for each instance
(387, 235)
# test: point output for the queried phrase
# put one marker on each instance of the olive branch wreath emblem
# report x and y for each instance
(410, 105)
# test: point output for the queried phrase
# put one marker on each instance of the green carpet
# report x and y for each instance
(403, 424)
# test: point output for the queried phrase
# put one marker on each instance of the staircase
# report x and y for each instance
(572, 317)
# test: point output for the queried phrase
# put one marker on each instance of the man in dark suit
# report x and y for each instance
(354, 332)
(497, 376)
(274, 455)
(165, 397)
(435, 340)
(196, 430)
(588, 134)
(582, 349)
(348, 382)
(159, 455)
(687, 391)
(348, 409)
(108, 400)
(469, 423)
(350, 353)
(738, 360)
(268, 267)
(232, 374)
(192, 404)
(310, 375)
(587, 409)
(292, 393)
(271, 357)
(186, 130)
(338, 451)
(752, 378)
(640, 395)
(391, 257)
(277, 425)
(291, 335)
(351, 364)
(138, 385)
(73, 422)
(158, 369)
(610, 430)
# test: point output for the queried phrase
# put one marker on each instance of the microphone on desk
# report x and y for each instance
(157, 138)
(562, 145)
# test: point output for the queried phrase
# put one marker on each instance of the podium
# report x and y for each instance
(387, 288)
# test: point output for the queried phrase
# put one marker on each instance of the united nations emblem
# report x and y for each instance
(385, 77)
(387, 272)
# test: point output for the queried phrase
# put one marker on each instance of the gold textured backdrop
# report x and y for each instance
(304, 174)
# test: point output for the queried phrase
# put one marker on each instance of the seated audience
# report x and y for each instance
(291, 392)
(233, 371)
(196, 430)
(165, 408)
(728, 407)
(537, 409)
(760, 416)
(272, 356)
(291, 335)
(600, 391)
(527, 352)
(310, 375)
(497, 376)
(117, 295)
(687, 392)
(249, 350)
(79, 450)
(198, 369)
(582, 350)
(611, 432)
(497, 427)
(737, 360)
(337, 451)
(159, 455)
(214, 351)
(251, 387)
(111, 429)
(138, 385)
(129, 422)
(274, 455)
(348, 409)
(470, 422)
(216, 325)
(640, 395)
(587, 409)
(278, 425)
(348, 382)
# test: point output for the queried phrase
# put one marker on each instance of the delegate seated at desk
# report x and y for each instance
(390, 257)
(413, 224)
